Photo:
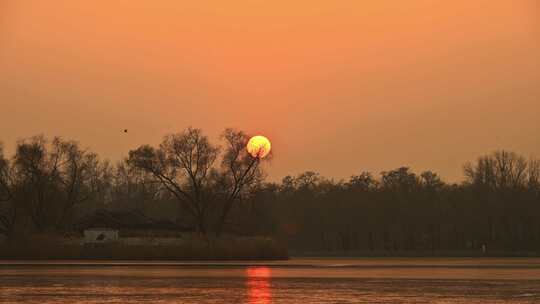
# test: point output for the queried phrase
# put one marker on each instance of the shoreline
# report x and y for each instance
(293, 263)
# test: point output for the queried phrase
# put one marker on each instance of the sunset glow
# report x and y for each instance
(259, 146)
(322, 70)
(266, 152)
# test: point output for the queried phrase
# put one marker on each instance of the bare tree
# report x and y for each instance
(77, 173)
(240, 171)
(363, 182)
(35, 171)
(431, 180)
(5, 189)
(500, 170)
(401, 179)
(511, 169)
(182, 165)
(53, 178)
(482, 173)
(307, 180)
(8, 209)
(533, 174)
(132, 186)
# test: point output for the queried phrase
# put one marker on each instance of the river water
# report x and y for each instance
(294, 281)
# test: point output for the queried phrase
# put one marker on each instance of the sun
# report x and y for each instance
(258, 146)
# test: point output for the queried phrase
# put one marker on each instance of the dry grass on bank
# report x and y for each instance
(194, 248)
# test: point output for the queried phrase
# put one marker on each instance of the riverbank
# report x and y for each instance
(227, 248)
(417, 254)
(300, 263)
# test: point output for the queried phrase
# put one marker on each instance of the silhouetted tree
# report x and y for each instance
(182, 164)
(78, 176)
(362, 182)
(36, 170)
(50, 179)
(130, 187)
(8, 209)
(52, 184)
(239, 172)
(500, 170)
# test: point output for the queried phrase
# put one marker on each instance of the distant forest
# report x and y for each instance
(189, 184)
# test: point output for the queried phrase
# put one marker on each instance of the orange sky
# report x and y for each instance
(338, 86)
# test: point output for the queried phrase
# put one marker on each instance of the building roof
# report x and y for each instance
(100, 229)
(125, 220)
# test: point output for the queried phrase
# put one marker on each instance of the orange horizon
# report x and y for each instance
(339, 87)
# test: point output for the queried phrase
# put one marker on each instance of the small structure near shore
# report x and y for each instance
(130, 224)
(100, 235)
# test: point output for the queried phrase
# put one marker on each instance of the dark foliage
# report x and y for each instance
(497, 208)
(188, 184)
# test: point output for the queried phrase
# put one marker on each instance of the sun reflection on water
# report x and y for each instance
(258, 285)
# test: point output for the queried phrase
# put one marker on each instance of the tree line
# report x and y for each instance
(47, 185)
(496, 208)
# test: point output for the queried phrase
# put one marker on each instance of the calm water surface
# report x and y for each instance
(295, 281)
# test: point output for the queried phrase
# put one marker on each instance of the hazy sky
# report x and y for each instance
(338, 86)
